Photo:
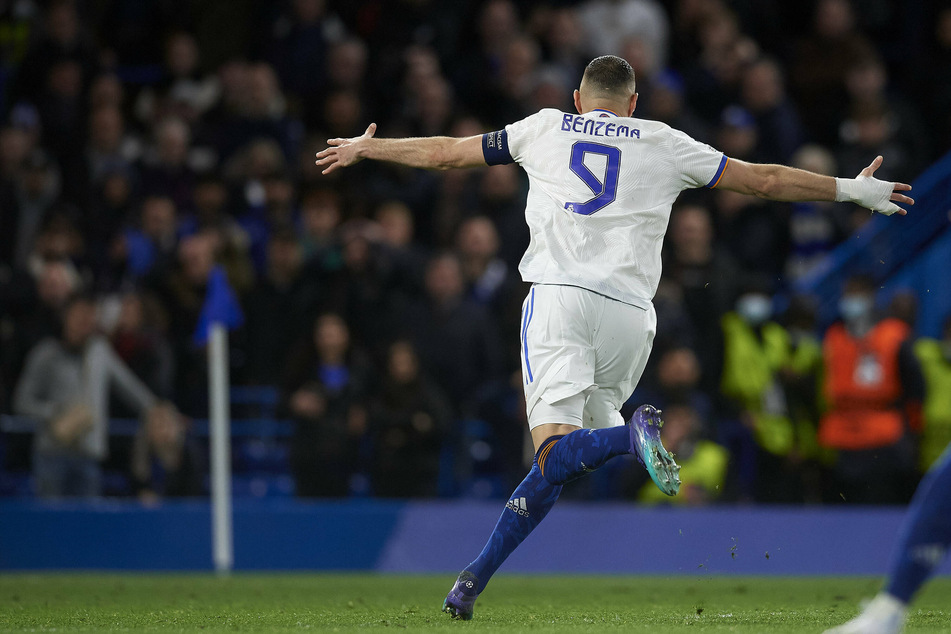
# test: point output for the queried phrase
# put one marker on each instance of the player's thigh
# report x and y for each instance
(558, 359)
(623, 343)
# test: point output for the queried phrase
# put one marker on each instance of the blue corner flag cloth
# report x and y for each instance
(220, 306)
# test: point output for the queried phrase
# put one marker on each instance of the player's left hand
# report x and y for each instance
(887, 207)
(344, 152)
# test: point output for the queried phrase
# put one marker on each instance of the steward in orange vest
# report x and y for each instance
(873, 390)
(863, 388)
(873, 385)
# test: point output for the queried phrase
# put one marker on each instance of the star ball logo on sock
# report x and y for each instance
(518, 505)
(929, 555)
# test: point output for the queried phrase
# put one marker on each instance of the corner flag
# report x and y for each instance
(220, 306)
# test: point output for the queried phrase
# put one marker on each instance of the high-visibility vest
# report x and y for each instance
(863, 387)
(936, 433)
(806, 360)
(705, 468)
(750, 366)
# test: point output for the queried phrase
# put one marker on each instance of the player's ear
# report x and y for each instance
(632, 105)
(577, 98)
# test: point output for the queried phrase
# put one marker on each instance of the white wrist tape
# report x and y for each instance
(868, 192)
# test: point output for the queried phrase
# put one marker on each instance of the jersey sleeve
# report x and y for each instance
(508, 145)
(699, 164)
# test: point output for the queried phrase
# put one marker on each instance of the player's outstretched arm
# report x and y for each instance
(435, 152)
(778, 182)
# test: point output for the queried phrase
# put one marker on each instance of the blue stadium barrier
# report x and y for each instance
(424, 537)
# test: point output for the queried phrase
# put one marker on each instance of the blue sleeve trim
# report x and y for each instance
(716, 177)
(495, 148)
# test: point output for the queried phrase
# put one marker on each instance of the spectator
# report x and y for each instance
(703, 463)
(738, 134)
(479, 75)
(455, 337)
(820, 64)
(488, 277)
(62, 113)
(706, 278)
(936, 95)
(801, 378)
(139, 341)
(299, 46)
(109, 146)
(564, 39)
(407, 258)
(868, 87)
(64, 386)
(500, 197)
(61, 38)
(320, 220)
(755, 349)
(181, 289)
(607, 23)
(165, 460)
(106, 91)
(814, 228)
(113, 205)
(490, 281)
(870, 130)
(667, 104)
(261, 113)
(764, 95)
(151, 248)
(184, 91)
(363, 289)
(33, 303)
(324, 393)
(873, 388)
(935, 358)
(678, 380)
(16, 143)
(279, 309)
(166, 171)
(34, 193)
(408, 419)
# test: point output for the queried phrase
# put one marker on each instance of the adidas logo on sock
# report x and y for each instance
(518, 505)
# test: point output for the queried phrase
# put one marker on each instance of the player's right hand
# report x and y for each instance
(344, 152)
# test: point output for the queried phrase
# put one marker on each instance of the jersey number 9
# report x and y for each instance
(605, 190)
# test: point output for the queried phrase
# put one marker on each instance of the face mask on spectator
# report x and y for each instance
(754, 308)
(855, 308)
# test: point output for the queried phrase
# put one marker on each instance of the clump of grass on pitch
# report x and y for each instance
(360, 602)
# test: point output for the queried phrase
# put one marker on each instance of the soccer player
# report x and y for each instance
(601, 187)
(922, 545)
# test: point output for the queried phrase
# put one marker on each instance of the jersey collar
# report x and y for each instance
(604, 112)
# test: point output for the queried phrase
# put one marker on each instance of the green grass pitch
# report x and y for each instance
(361, 602)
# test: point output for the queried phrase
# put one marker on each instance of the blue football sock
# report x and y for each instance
(926, 533)
(528, 506)
(566, 458)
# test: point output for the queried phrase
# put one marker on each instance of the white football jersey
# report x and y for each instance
(600, 192)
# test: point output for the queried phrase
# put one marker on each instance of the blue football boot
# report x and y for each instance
(462, 597)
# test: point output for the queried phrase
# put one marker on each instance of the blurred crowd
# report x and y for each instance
(146, 143)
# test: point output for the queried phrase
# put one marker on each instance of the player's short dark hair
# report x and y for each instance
(609, 75)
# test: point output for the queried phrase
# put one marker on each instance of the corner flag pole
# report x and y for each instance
(220, 431)
(219, 313)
